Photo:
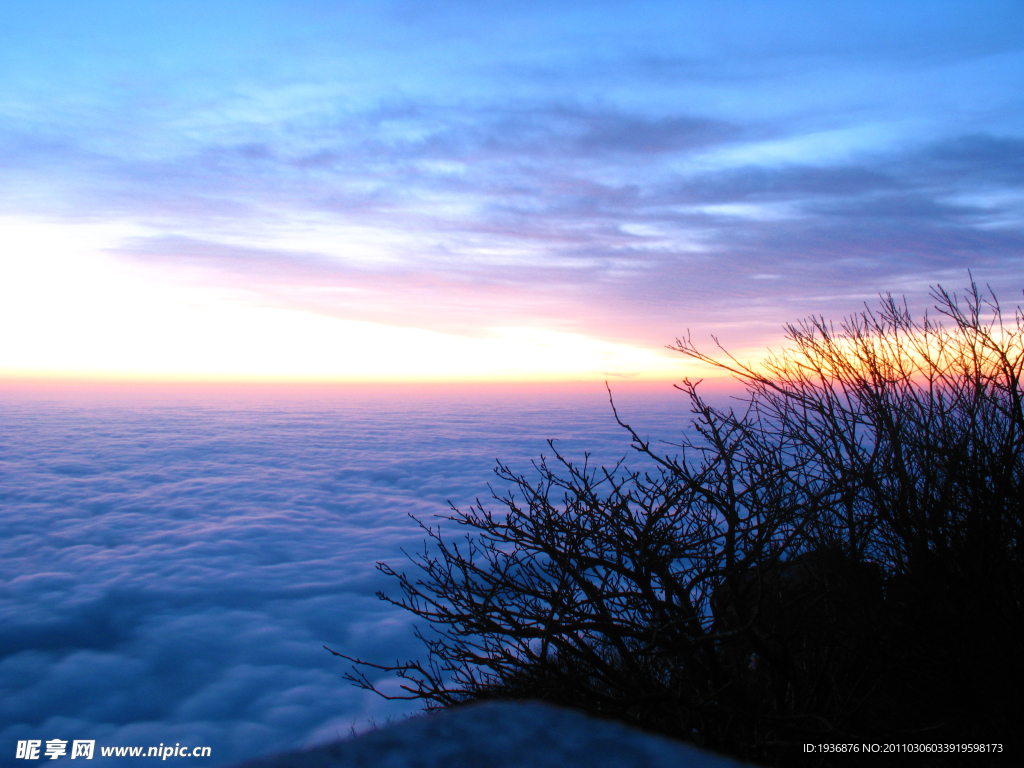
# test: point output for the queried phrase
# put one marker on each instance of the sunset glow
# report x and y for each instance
(75, 314)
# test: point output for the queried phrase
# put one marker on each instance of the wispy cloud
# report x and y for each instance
(453, 231)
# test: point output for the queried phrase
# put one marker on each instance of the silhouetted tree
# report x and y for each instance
(840, 559)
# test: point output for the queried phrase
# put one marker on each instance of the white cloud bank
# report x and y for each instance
(170, 573)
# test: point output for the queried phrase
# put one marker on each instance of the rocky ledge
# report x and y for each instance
(501, 735)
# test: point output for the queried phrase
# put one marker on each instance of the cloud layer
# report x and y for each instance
(171, 571)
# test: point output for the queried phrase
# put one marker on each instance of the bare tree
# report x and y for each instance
(825, 562)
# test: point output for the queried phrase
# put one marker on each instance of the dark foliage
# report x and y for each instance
(839, 560)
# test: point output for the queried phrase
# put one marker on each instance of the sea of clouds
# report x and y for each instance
(171, 570)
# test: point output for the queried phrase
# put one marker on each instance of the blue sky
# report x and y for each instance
(415, 190)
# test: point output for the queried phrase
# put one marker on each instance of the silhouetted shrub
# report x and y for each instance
(838, 560)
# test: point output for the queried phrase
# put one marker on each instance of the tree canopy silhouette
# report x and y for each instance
(837, 558)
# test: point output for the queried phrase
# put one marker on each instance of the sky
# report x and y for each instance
(481, 191)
